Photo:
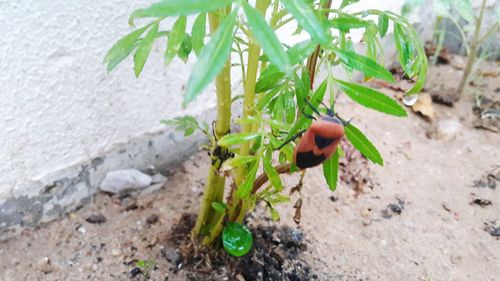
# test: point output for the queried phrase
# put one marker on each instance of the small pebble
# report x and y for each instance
(96, 218)
(81, 229)
(152, 219)
(134, 272)
(44, 265)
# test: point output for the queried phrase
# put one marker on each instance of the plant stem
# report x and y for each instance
(214, 187)
(248, 107)
(474, 46)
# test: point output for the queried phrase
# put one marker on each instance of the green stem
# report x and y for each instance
(248, 107)
(214, 187)
(474, 46)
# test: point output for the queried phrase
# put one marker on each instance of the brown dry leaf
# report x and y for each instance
(424, 106)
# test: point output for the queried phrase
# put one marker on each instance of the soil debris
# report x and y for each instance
(152, 219)
(481, 202)
(393, 208)
(96, 219)
(443, 56)
(489, 179)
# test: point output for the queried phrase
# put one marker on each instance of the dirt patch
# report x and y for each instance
(275, 255)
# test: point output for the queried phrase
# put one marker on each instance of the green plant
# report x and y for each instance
(277, 81)
(471, 31)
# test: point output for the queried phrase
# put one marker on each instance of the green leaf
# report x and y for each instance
(122, 49)
(175, 38)
(239, 161)
(361, 143)
(275, 215)
(364, 64)
(272, 174)
(298, 52)
(372, 99)
(464, 8)
(266, 38)
(236, 239)
(142, 53)
(268, 79)
(186, 48)
(403, 48)
(237, 138)
(346, 3)
(168, 8)
(383, 24)
(212, 58)
(187, 124)
(306, 18)
(331, 170)
(419, 85)
(198, 33)
(219, 207)
(246, 187)
(346, 23)
(315, 100)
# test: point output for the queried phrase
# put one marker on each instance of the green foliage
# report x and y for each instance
(278, 80)
(187, 124)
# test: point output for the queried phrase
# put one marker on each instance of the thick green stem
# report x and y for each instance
(474, 46)
(214, 187)
(248, 107)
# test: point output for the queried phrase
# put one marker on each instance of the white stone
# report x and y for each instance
(158, 178)
(447, 130)
(125, 180)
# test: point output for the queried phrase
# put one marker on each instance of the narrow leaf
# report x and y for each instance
(237, 138)
(142, 53)
(271, 172)
(346, 23)
(212, 58)
(315, 100)
(123, 48)
(365, 65)
(383, 24)
(175, 39)
(331, 170)
(372, 99)
(266, 38)
(186, 48)
(361, 143)
(403, 48)
(219, 207)
(198, 33)
(306, 18)
(245, 188)
(166, 8)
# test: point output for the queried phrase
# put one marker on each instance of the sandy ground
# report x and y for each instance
(439, 234)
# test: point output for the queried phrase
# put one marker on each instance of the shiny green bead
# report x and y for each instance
(237, 239)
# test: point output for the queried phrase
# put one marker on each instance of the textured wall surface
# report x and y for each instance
(58, 106)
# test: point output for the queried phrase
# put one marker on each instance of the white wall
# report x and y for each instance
(58, 105)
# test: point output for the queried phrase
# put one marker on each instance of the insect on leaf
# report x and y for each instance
(142, 53)
(372, 99)
(306, 18)
(212, 58)
(175, 39)
(265, 36)
(331, 170)
(362, 144)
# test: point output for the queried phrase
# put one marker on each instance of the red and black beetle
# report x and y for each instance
(319, 141)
